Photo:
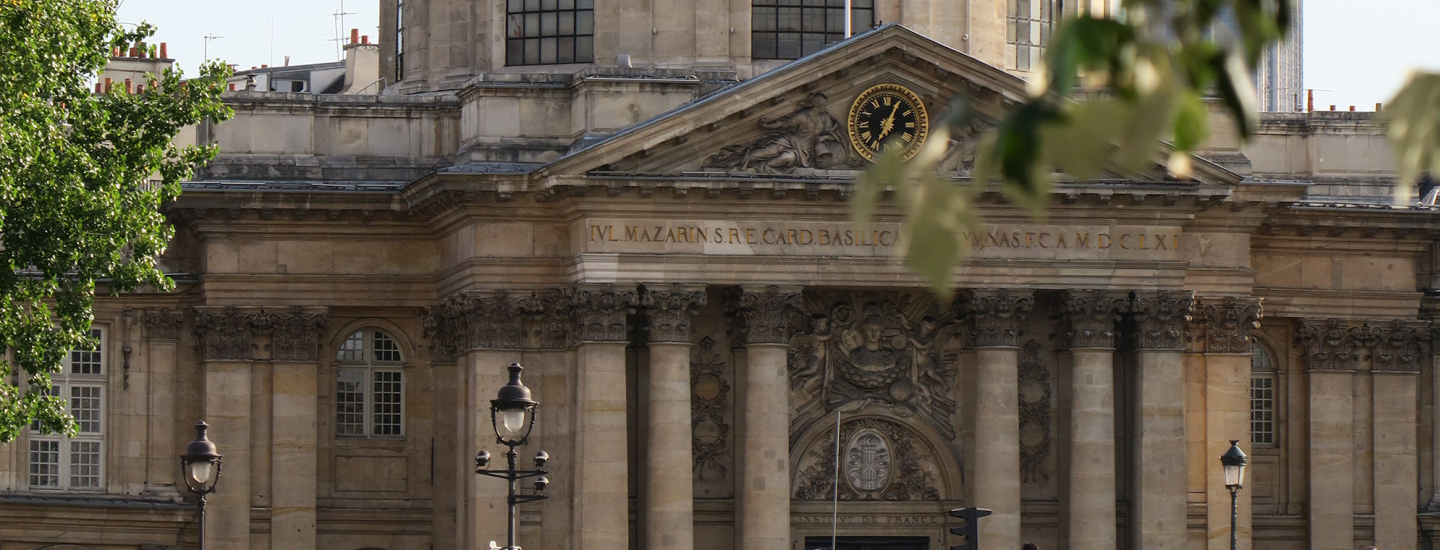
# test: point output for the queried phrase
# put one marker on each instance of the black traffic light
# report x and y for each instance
(969, 530)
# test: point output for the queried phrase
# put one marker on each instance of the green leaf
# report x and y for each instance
(1413, 117)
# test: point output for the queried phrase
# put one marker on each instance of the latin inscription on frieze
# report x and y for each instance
(800, 238)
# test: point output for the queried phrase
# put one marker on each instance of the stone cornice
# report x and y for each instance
(1087, 319)
(1228, 322)
(1159, 320)
(671, 310)
(994, 318)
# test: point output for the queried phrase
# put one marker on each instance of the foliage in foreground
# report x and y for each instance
(82, 179)
(1157, 62)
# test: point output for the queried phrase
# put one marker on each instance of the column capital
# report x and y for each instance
(295, 334)
(1330, 344)
(993, 317)
(600, 312)
(492, 319)
(671, 309)
(1158, 319)
(766, 313)
(163, 323)
(1228, 323)
(228, 333)
(1396, 345)
(1087, 319)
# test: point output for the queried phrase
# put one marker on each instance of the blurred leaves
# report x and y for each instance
(1414, 120)
(1112, 89)
(82, 179)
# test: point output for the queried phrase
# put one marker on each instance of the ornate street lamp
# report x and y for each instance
(512, 413)
(1234, 461)
(201, 467)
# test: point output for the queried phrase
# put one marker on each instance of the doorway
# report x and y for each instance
(868, 543)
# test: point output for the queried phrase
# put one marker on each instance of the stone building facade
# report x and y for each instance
(667, 248)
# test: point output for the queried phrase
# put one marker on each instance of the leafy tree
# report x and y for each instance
(1110, 90)
(82, 178)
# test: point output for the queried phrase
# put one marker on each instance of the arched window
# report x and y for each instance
(369, 386)
(1262, 396)
(59, 462)
(791, 29)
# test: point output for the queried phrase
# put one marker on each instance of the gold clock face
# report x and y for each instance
(888, 116)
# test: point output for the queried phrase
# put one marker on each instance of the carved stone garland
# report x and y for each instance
(995, 317)
(671, 312)
(1228, 324)
(1159, 319)
(1397, 346)
(883, 463)
(1087, 319)
(709, 401)
(1330, 345)
(1035, 403)
(163, 323)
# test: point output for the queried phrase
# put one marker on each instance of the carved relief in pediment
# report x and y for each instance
(808, 137)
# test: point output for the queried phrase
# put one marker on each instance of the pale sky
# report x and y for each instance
(1357, 52)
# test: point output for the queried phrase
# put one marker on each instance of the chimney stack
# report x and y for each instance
(163, 54)
(354, 36)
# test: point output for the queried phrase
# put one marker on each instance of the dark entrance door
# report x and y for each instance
(868, 543)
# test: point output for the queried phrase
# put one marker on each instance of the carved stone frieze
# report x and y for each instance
(228, 334)
(1228, 323)
(163, 323)
(809, 137)
(994, 317)
(1330, 345)
(768, 315)
(671, 311)
(1396, 346)
(1159, 320)
(1035, 405)
(1087, 319)
(881, 460)
(709, 402)
(892, 352)
(601, 311)
(295, 334)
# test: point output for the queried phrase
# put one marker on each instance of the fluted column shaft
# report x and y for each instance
(669, 505)
(1087, 330)
(1158, 468)
(994, 322)
(764, 515)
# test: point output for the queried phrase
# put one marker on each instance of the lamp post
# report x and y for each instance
(201, 467)
(512, 413)
(1234, 461)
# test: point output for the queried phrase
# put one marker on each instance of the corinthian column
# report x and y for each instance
(601, 483)
(669, 506)
(1157, 338)
(994, 319)
(1330, 363)
(764, 492)
(1087, 331)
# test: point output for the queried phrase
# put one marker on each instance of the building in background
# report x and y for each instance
(646, 204)
(1280, 77)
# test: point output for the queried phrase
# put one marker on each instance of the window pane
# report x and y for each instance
(532, 5)
(44, 463)
(350, 403)
(85, 407)
(532, 25)
(549, 24)
(548, 5)
(763, 19)
(1262, 409)
(388, 395)
(788, 19)
(584, 49)
(763, 46)
(547, 55)
(86, 361)
(813, 43)
(54, 391)
(514, 52)
(85, 464)
(567, 23)
(813, 20)
(585, 22)
(386, 350)
(787, 45)
(566, 50)
(353, 348)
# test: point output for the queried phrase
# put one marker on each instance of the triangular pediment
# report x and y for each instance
(791, 121)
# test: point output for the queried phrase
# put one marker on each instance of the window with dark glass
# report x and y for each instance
(548, 32)
(791, 29)
(1030, 24)
(399, 40)
(1262, 396)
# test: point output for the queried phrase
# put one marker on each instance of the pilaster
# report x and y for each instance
(1396, 353)
(162, 334)
(1227, 325)
(227, 352)
(1331, 359)
(295, 356)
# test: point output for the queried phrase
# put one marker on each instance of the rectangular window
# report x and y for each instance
(791, 29)
(399, 40)
(373, 409)
(1262, 409)
(63, 462)
(549, 32)
(1029, 25)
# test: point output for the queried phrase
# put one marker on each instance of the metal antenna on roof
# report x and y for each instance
(339, 39)
(208, 38)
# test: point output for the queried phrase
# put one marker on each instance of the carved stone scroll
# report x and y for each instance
(1397, 346)
(1228, 324)
(767, 315)
(295, 334)
(601, 311)
(227, 334)
(994, 317)
(1087, 319)
(1330, 345)
(1158, 320)
(709, 401)
(671, 311)
(808, 137)
(163, 323)
(880, 460)
(1035, 404)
